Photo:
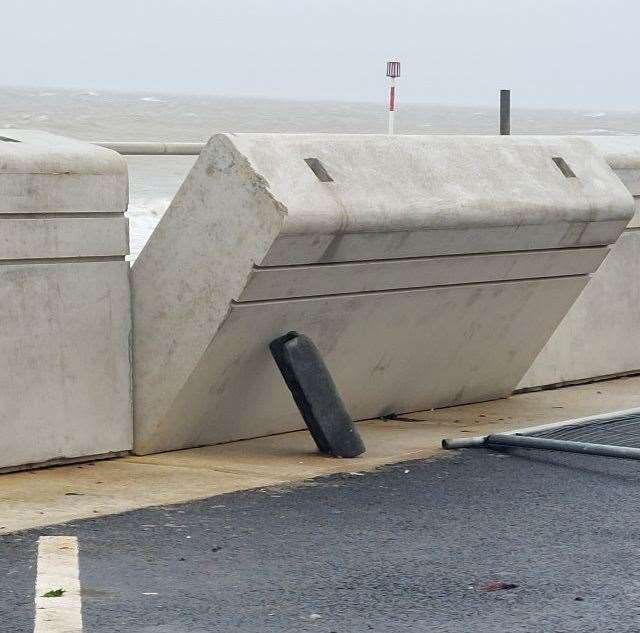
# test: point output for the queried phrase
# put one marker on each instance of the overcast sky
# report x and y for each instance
(551, 53)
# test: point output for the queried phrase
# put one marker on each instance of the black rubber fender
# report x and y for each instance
(316, 396)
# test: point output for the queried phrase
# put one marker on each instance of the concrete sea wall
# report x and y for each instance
(429, 270)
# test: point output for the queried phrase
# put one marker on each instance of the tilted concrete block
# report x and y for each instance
(65, 379)
(429, 271)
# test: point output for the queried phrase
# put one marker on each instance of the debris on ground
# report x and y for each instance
(54, 593)
(497, 585)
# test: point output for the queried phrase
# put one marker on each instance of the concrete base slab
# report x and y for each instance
(60, 494)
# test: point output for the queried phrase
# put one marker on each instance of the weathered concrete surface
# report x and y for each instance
(46, 173)
(51, 238)
(279, 282)
(388, 352)
(457, 286)
(63, 493)
(600, 336)
(65, 379)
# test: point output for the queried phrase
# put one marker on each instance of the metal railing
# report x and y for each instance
(132, 148)
(611, 430)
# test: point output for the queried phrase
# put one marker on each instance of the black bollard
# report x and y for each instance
(316, 396)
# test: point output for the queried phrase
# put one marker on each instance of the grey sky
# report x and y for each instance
(552, 53)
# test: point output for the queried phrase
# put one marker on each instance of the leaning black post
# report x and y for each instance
(505, 112)
(316, 396)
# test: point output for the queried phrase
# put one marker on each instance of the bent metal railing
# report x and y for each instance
(615, 434)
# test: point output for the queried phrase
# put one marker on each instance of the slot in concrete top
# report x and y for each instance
(381, 183)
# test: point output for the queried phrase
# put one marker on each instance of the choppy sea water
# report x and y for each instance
(114, 116)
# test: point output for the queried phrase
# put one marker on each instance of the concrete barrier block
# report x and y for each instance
(65, 383)
(622, 153)
(474, 246)
(599, 336)
(71, 188)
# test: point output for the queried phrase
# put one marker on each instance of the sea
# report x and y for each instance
(95, 115)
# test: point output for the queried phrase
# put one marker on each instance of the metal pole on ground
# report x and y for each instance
(393, 72)
(478, 441)
(524, 438)
(583, 448)
(505, 112)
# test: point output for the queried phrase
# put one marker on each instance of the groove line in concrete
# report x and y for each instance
(448, 256)
(494, 282)
(62, 260)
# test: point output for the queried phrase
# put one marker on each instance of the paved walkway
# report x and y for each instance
(411, 547)
(54, 495)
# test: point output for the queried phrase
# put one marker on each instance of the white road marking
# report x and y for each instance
(58, 569)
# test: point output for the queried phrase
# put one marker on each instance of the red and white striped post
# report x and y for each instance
(393, 71)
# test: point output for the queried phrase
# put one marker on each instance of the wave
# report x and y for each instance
(599, 130)
(144, 216)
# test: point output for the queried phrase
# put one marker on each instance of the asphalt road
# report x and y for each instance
(407, 548)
